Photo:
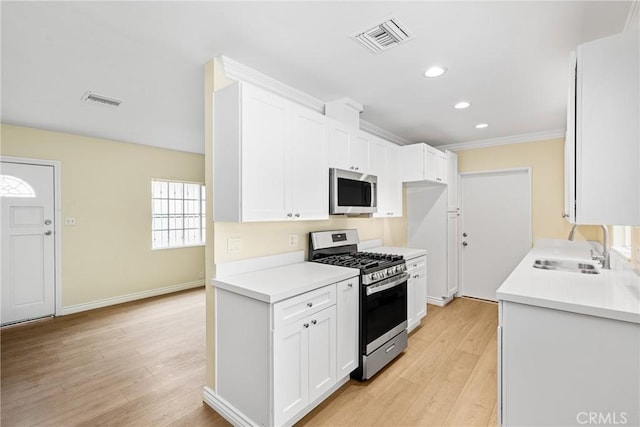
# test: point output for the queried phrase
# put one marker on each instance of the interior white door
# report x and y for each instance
(28, 241)
(496, 228)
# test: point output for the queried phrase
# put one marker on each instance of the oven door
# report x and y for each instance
(384, 311)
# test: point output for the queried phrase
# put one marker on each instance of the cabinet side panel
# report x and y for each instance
(243, 355)
(608, 172)
(558, 367)
(226, 154)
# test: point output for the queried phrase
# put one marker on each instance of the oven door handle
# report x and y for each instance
(387, 284)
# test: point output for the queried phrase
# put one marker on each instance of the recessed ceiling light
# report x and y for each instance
(461, 105)
(435, 71)
(481, 125)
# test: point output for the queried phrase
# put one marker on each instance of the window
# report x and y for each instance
(178, 214)
(622, 240)
(12, 186)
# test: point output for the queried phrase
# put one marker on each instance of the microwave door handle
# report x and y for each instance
(387, 284)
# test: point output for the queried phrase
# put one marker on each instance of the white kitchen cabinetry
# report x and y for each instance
(416, 291)
(348, 308)
(453, 204)
(421, 162)
(602, 153)
(385, 164)
(453, 252)
(277, 361)
(348, 147)
(268, 152)
(557, 368)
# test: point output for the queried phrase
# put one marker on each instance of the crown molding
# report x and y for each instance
(633, 18)
(237, 71)
(514, 139)
(384, 134)
(240, 72)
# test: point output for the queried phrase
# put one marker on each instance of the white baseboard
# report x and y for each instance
(222, 407)
(129, 297)
(440, 302)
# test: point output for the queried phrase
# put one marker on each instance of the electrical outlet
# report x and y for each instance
(293, 240)
(70, 221)
(234, 245)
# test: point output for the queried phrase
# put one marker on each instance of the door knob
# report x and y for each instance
(48, 233)
(465, 244)
(464, 234)
(47, 222)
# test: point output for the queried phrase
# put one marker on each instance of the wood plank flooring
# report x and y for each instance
(143, 364)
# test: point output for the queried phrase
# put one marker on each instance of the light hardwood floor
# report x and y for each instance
(143, 364)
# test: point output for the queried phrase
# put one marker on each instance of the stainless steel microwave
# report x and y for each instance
(352, 192)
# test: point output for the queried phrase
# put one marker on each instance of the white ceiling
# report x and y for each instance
(509, 59)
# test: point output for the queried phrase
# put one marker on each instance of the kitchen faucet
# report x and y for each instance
(605, 258)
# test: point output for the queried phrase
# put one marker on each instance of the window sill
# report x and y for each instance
(180, 247)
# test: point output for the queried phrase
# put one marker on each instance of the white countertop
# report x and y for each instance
(276, 284)
(407, 253)
(613, 294)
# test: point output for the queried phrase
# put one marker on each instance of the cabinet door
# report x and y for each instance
(322, 352)
(385, 163)
(359, 152)
(347, 334)
(291, 370)
(452, 182)
(431, 164)
(453, 250)
(310, 172)
(441, 167)
(608, 133)
(411, 305)
(265, 155)
(420, 294)
(412, 162)
(394, 181)
(339, 141)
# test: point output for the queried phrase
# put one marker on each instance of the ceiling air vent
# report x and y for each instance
(383, 36)
(100, 99)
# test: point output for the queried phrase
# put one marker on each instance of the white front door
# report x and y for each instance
(28, 241)
(496, 228)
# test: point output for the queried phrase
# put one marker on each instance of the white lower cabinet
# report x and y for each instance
(561, 368)
(348, 314)
(416, 291)
(276, 362)
(304, 355)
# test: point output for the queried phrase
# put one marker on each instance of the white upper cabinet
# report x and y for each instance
(348, 147)
(603, 132)
(268, 154)
(421, 162)
(384, 159)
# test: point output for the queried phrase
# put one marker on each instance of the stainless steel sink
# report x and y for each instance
(565, 265)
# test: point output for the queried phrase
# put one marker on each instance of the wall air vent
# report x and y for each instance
(383, 36)
(100, 99)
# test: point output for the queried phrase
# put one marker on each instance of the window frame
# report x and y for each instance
(621, 241)
(202, 215)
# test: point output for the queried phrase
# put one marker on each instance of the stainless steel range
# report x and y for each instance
(383, 296)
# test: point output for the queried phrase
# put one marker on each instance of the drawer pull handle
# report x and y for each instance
(391, 347)
(416, 276)
(309, 304)
(306, 325)
(415, 265)
(350, 285)
(313, 322)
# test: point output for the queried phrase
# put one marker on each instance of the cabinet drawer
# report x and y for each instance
(296, 308)
(416, 263)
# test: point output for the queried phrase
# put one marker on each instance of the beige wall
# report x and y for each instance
(546, 160)
(106, 186)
